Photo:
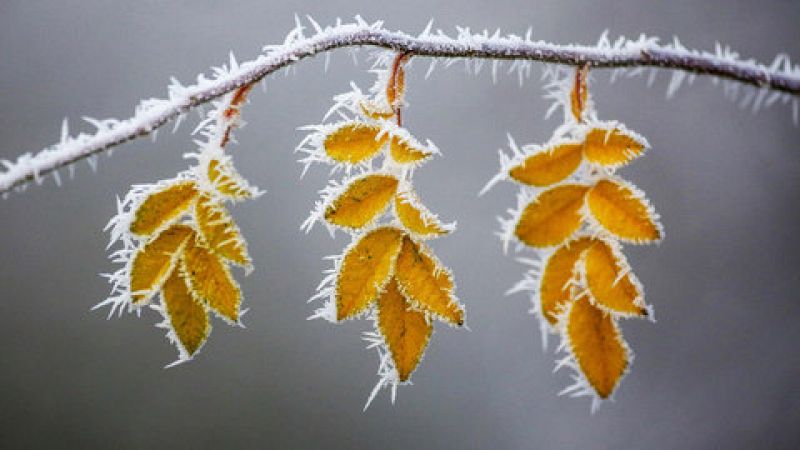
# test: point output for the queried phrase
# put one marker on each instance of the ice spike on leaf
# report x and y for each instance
(406, 331)
(597, 346)
(611, 284)
(366, 268)
(220, 231)
(354, 142)
(612, 147)
(188, 318)
(362, 201)
(623, 211)
(416, 218)
(426, 283)
(554, 286)
(210, 281)
(551, 164)
(155, 260)
(404, 151)
(162, 207)
(552, 217)
(227, 181)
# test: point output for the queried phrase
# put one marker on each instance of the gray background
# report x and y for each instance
(719, 370)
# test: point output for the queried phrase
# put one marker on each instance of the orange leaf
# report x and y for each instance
(612, 147)
(405, 151)
(623, 211)
(552, 217)
(364, 200)
(366, 268)
(227, 181)
(579, 95)
(187, 317)
(405, 330)
(155, 260)
(554, 291)
(426, 283)
(163, 206)
(597, 346)
(416, 218)
(549, 165)
(354, 142)
(210, 281)
(220, 231)
(374, 111)
(610, 287)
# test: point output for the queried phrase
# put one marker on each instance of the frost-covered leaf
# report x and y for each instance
(188, 318)
(554, 289)
(427, 283)
(579, 95)
(623, 211)
(416, 218)
(354, 142)
(366, 268)
(396, 85)
(406, 331)
(226, 180)
(552, 217)
(405, 151)
(611, 284)
(220, 231)
(549, 165)
(154, 261)
(597, 346)
(362, 201)
(612, 147)
(210, 281)
(375, 111)
(163, 206)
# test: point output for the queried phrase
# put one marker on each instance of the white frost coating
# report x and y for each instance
(644, 51)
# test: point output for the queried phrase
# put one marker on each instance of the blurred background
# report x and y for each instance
(720, 368)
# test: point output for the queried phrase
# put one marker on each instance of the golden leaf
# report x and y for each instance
(163, 206)
(227, 181)
(552, 217)
(396, 85)
(155, 260)
(609, 286)
(612, 148)
(425, 282)
(210, 281)
(405, 330)
(596, 344)
(366, 268)
(354, 142)
(220, 231)
(363, 200)
(554, 290)
(623, 212)
(187, 316)
(374, 111)
(579, 95)
(550, 165)
(404, 152)
(416, 218)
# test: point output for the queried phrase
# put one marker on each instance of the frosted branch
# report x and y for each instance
(781, 77)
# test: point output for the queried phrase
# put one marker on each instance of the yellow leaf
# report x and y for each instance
(163, 206)
(552, 217)
(404, 151)
(366, 268)
(227, 181)
(623, 212)
(612, 147)
(220, 231)
(374, 111)
(426, 283)
(354, 142)
(609, 286)
(405, 330)
(596, 344)
(416, 218)
(550, 165)
(554, 291)
(210, 281)
(155, 260)
(363, 200)
(187, 317)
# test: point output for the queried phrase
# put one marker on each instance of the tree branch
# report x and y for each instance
(781, 77)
